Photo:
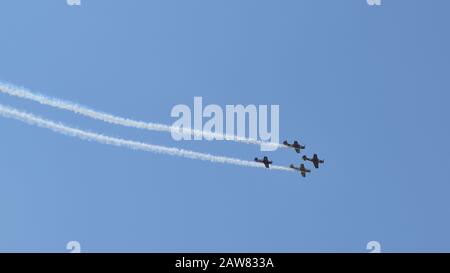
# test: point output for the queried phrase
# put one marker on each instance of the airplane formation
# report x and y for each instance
(297, 148)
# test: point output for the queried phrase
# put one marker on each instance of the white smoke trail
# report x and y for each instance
(73, 107)
(9, 112)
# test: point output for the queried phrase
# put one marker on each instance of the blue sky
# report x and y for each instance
(364, 87)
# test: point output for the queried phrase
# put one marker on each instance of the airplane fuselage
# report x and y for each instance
(315, 160)
(264, 161)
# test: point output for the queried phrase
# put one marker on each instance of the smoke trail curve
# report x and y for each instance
(108, 118)
(29, 118)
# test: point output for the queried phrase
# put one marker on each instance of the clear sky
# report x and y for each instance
(367, 88)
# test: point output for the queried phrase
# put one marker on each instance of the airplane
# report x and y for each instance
(315, 160)
(265, 161)
(296, 146)
(302, 169)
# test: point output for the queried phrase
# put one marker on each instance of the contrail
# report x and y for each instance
(13, 113)
(78, 109)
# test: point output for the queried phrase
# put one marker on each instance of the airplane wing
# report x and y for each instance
(266, 164)
(297, 150)
(303, 174)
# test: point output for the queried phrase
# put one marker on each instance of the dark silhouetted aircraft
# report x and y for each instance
(296, 146)
(302, 169)
(315, 160)
(265, 161)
